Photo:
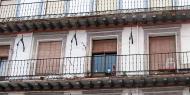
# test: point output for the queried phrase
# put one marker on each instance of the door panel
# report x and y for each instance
(29, 8)
(104, 5)
(56, 7)
(110, 63)
(103, 63)
(133, 4)
(162, 53)
(160, 3)
(98, 63)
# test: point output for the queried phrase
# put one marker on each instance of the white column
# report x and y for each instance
(75, 65)
(133, 63)
(77, 50)
(21, 52)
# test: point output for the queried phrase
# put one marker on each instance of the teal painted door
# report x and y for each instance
(103, 63)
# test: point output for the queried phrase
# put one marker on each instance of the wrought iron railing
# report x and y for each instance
(73, 8)
(97, 66)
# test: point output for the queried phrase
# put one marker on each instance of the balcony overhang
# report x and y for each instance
(99, 21)
(96, 83)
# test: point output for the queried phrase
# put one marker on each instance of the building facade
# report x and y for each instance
(94, 47)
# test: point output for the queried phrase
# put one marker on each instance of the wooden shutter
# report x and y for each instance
(166, 47)
(104, 46)
(49, 54)
(4, 50)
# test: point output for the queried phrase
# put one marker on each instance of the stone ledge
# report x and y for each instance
(98, 83)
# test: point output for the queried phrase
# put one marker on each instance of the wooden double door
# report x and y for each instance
(162, 51)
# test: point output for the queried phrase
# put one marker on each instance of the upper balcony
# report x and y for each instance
(79, 14)
(84, 8)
